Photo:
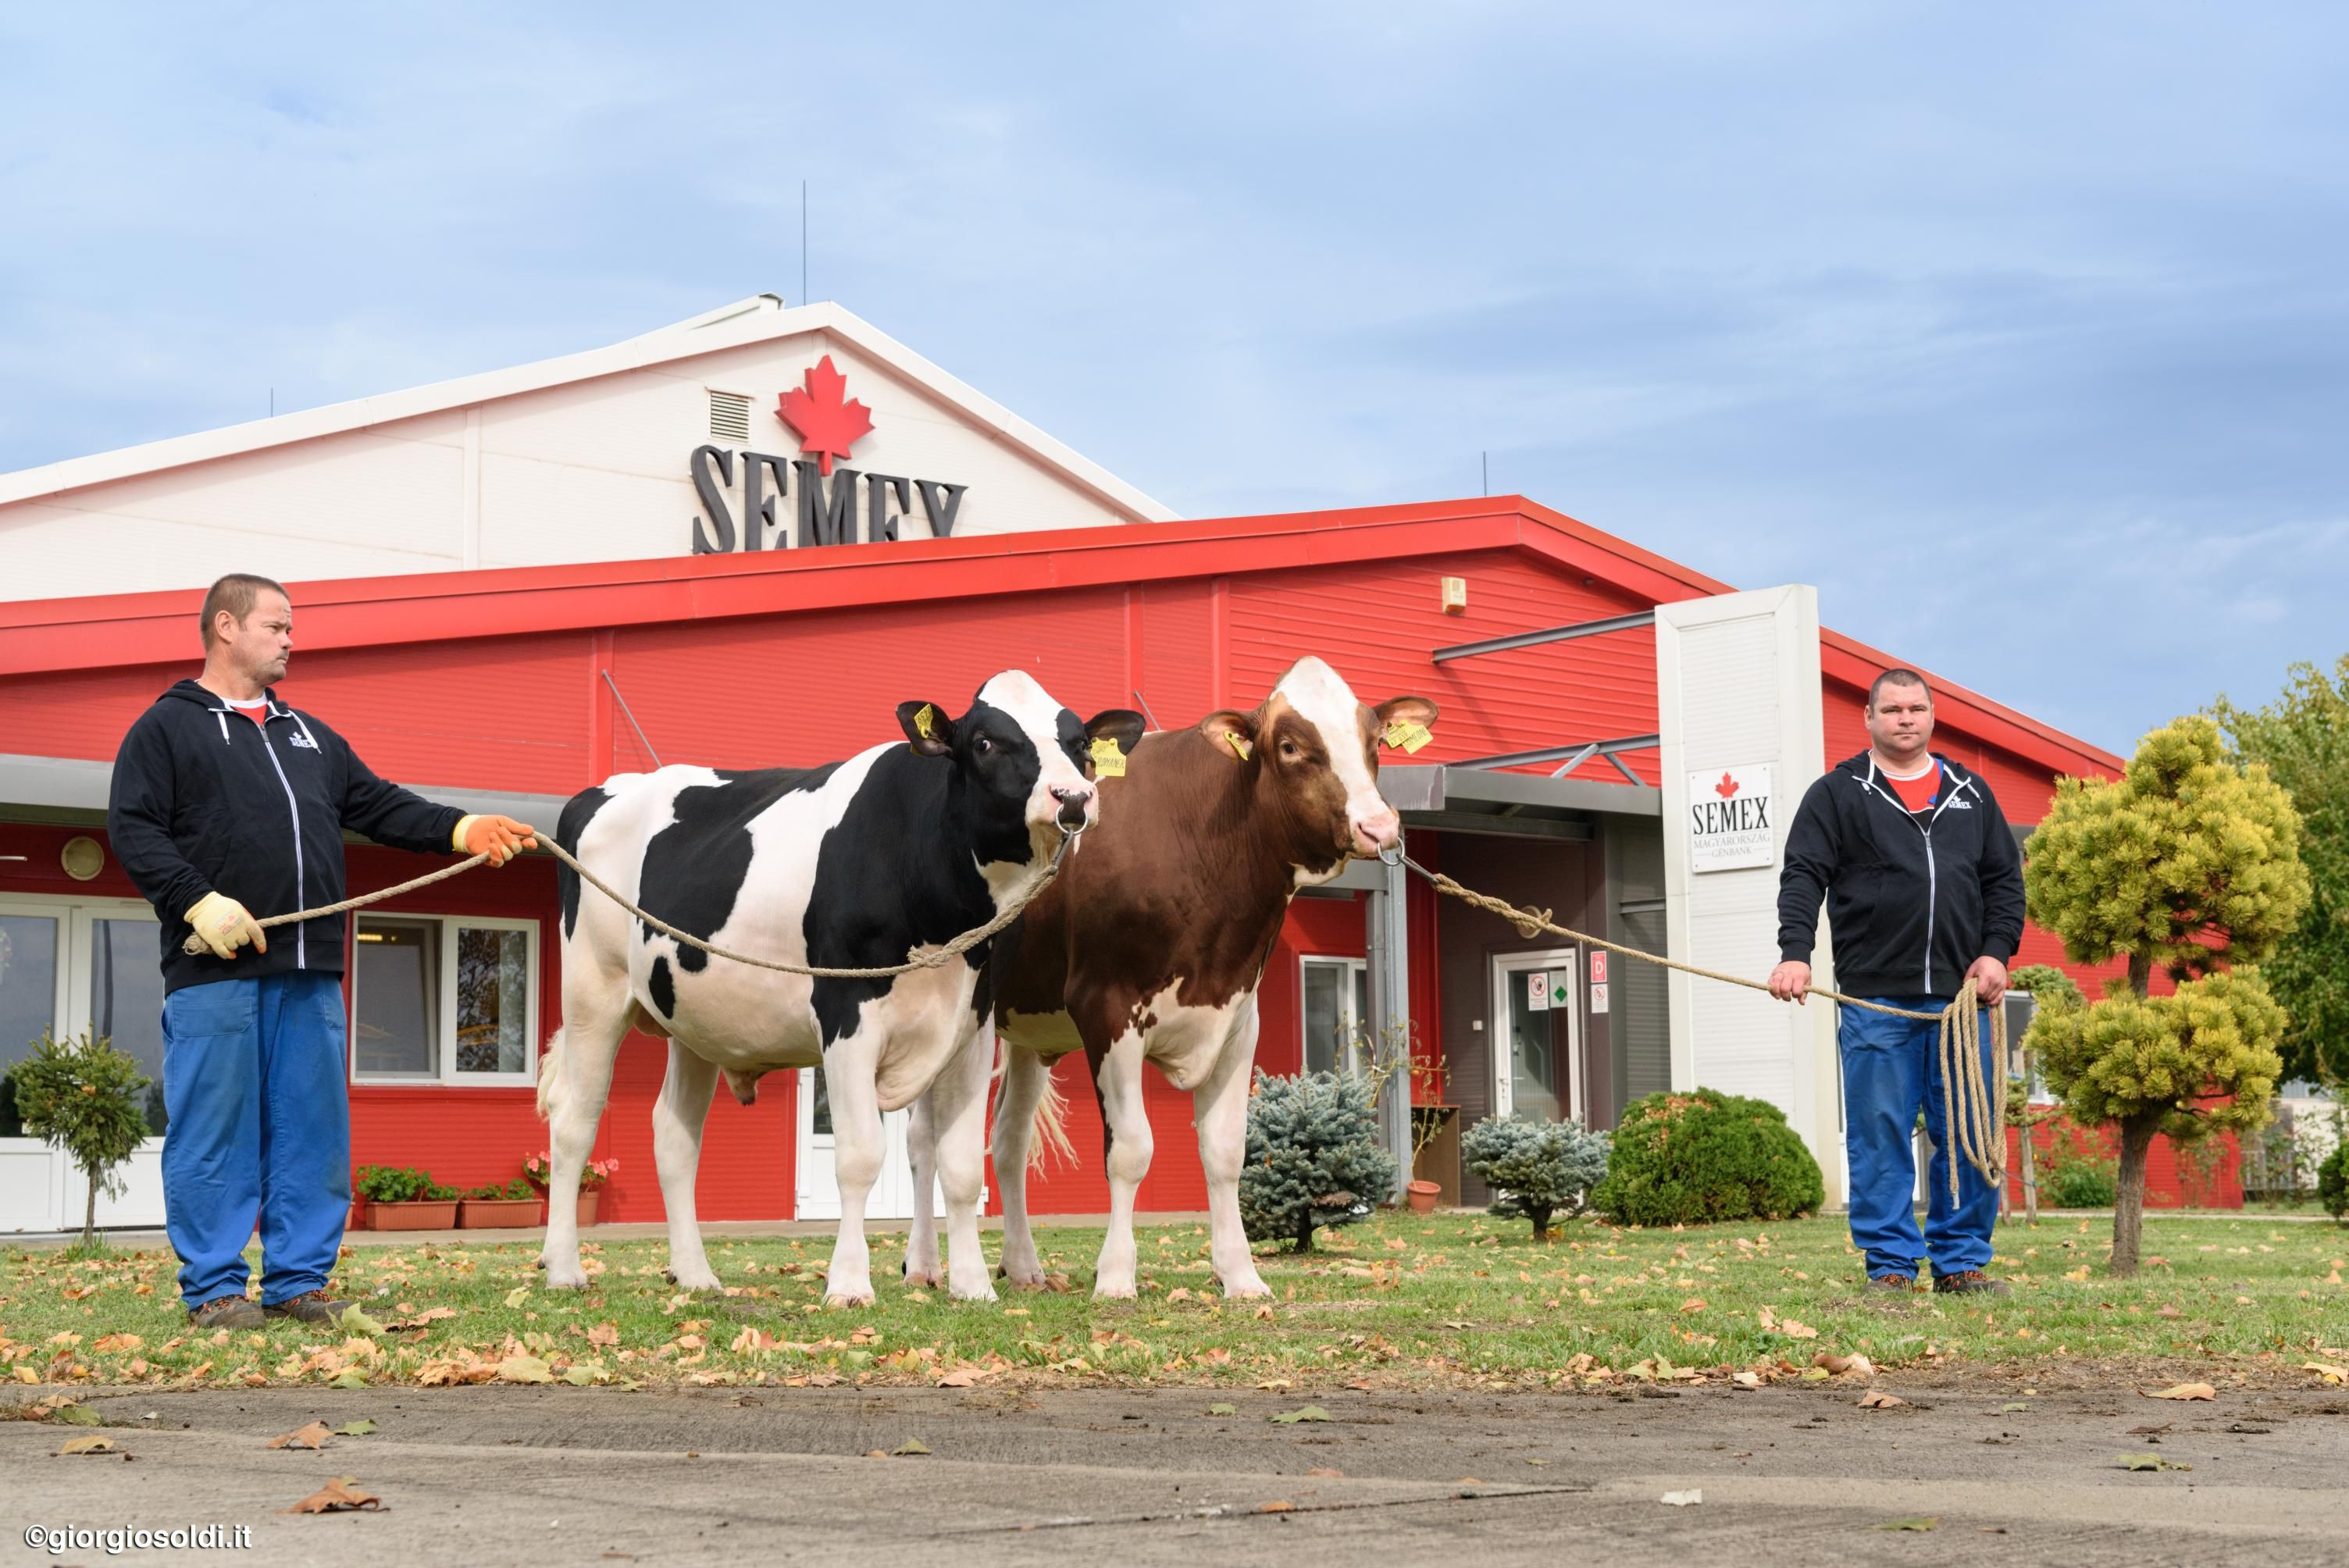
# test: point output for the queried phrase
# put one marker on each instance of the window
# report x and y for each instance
(443, 999)
(1337, 999)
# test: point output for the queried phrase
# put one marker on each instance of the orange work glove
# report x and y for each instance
(501, 836)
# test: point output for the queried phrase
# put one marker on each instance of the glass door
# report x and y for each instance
(1337, 1000)
(818, 1197)
(1536, 1046)
(118, 992)
(35, 939)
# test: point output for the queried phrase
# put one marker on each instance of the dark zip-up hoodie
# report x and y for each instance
(205, 800)
(1913, 900)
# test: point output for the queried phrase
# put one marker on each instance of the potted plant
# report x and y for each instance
(539, 1169)
(491, 1207)
(402, 1198)
(84, 1097)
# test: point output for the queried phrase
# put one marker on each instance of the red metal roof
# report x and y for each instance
(99, 631)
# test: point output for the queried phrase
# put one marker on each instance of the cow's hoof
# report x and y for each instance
(692, 1279)
(572, 1278)
(1025, 1282)
(924, 1281)
(1105, 1290)
(848, 1298)
(985, 1291)
(1250, 1287)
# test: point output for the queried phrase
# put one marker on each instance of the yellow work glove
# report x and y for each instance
(223, 925)
(502, 837)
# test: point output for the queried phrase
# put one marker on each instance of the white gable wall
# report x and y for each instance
(587, 469)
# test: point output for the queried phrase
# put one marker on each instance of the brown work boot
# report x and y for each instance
(1968, 1282)
(1890, 1284)
(226, 1312)
(310, 1306)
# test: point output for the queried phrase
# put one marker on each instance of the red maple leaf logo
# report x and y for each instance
(1726, 788)
(826, 423)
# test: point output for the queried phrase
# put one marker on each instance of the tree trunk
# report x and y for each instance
(2141, 973)
(89, 1212)
(2128, 1205)
(1540, 1217)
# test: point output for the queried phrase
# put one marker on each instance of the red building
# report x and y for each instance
(511, 689)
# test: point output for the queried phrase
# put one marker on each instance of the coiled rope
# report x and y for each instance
(1975, 1122)
(943, 956)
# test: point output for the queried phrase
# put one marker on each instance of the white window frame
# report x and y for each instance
(446, 1023)
(1352, 1053)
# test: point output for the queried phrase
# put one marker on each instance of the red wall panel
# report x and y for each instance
(1374, 624)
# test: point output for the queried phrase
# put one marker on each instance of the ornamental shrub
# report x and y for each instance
(1694, 1159)
(389, 1184)
(2332, 1181)
(89, 1099)
(1536, 1168)
(1314, 1157)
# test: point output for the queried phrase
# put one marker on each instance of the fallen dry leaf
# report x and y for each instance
(1794, 1330)
(1326, 1473)
(1745, 1379)
(525, 1369)
(1911, 1524)
(1681, 1499)
(92, 1444)
(2182, 1391)
(2332, 1374)
(1858, 1365)
(1693, 1303)
(336, 1496)
(909, 1447)
(1877, 1400)
(313, 1435)
(1308, 1413)
(1280, 1506)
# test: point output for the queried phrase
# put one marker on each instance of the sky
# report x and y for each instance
(2020, 332)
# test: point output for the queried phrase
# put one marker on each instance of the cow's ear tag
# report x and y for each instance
(1407, 735)
(1109, 762)
(1240, 748)
(925, 719)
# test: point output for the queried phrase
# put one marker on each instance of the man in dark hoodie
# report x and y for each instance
(1923, 885)
(227, 806)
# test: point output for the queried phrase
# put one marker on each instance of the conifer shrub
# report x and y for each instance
(1536, 1168)
(2332, 1181)
(1700, 1158)
(1314, 1157)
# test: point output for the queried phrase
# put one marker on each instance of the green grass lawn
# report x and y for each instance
(1397, 1300)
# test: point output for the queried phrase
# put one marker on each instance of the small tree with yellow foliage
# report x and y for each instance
(2190, 864)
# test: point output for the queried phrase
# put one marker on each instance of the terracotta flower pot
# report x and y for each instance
(587, 1196)
(1422, 1196)
(420, 1216)
(499, 1214)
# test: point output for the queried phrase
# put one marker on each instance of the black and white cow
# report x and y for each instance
(851, 865)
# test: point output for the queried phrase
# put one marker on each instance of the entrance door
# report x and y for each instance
(819, 1183)
(66, 966)
(1538, 1048)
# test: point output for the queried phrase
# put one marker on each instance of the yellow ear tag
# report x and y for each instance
(923, 720)
(1407, 734)
(1240, 748)
(1109, 762)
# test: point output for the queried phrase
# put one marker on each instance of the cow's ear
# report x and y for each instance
(1405, 721)
(925, 724)
(1122, 725)
(1232, 732)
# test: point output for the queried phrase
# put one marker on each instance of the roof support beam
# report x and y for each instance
(1547, 635)
(1574, 755)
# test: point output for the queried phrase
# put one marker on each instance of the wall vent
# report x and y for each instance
(729, 416)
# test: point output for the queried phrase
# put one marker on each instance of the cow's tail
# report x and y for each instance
(550, 1078)
(1048, 1133)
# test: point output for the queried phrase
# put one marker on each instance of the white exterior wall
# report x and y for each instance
(1738, 685)
(559, 470)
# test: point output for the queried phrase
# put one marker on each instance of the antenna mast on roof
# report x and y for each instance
(803, 293)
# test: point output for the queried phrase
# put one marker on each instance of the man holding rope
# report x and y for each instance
(1924, 889)
(228, 806)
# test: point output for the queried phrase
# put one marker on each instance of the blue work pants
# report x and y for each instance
(254, 1083)
(1891, 1068)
